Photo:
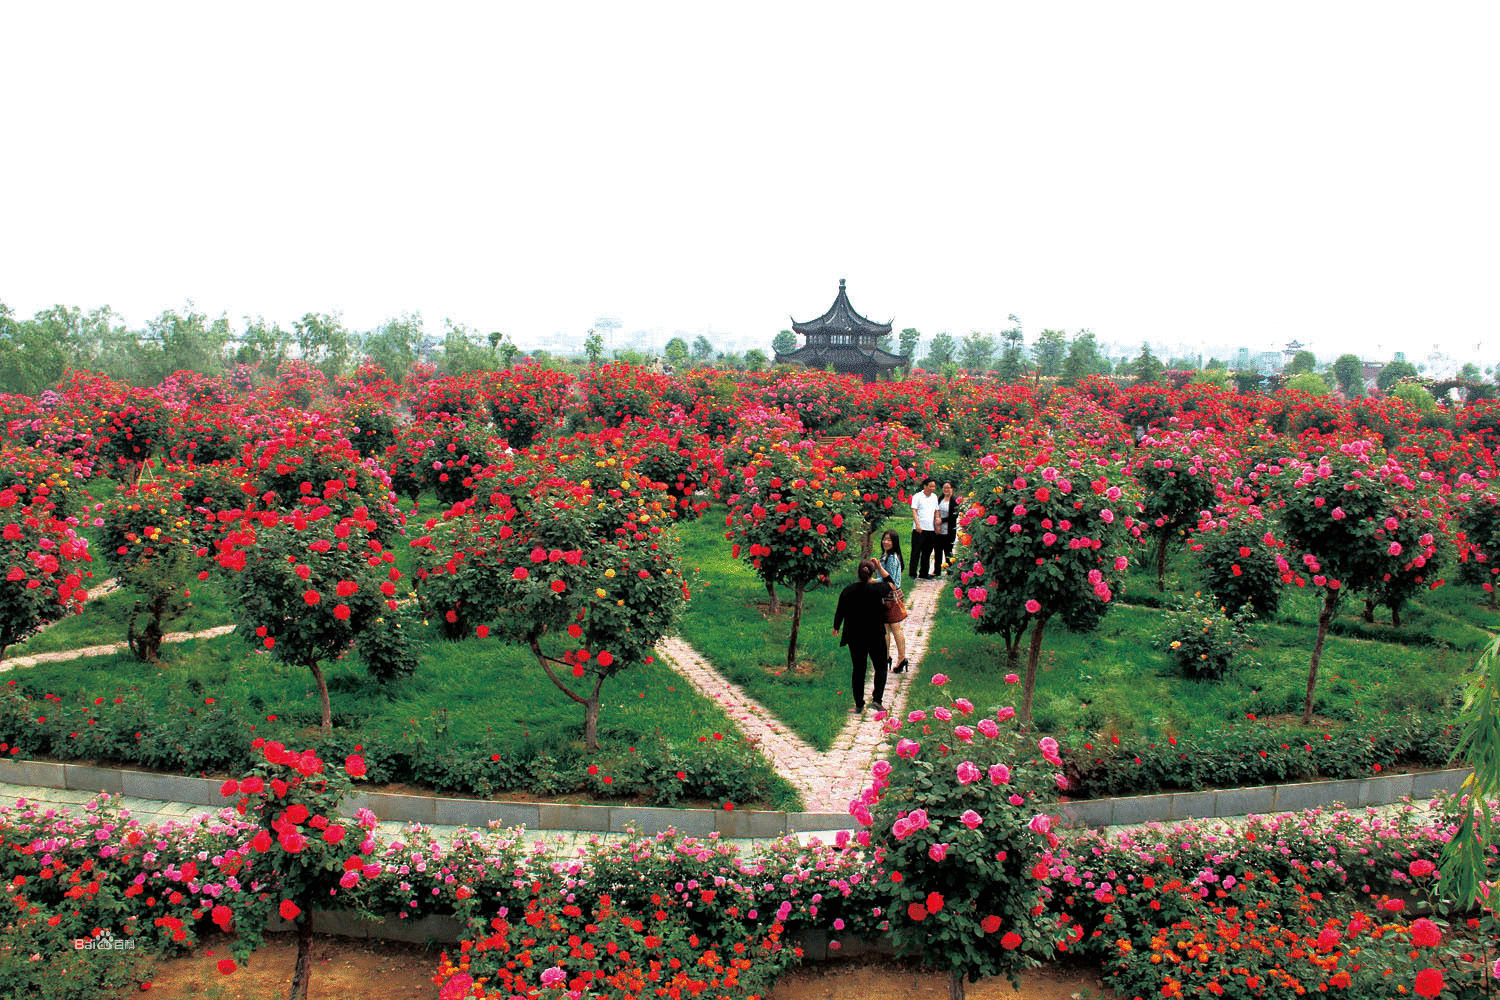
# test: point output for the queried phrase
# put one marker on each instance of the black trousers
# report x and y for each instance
(924, 544)
(858, 653)
(944, 551)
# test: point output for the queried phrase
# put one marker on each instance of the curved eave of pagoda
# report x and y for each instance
(841, 318)
(845, 354)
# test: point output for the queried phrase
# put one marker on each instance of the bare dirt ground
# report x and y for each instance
(382, 970)
(888, 980)
(342, 968)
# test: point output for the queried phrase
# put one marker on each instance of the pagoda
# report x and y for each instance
(844, 340)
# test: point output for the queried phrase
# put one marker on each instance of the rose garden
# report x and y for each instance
(468, 586)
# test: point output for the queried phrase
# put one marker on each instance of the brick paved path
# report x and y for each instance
(827, 781)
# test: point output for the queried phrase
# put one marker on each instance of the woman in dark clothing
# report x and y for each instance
(861, 615)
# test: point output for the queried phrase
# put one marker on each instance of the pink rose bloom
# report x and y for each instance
(940, 679)
(862, 815)
(1338, 513)
(970, 819)
(1107, 515)
(976, 612)
(1016, 800)
(907, 748)
(553, 977)
(942, 714)
(964, 705)
(1005, 713)
(1395, 549)
(1121, 564)
(1032, 607)
(967, 773)
(881, 769)
(1048, 747)
(457, 987)
(963, 734)
(918, 819)
(901, 829)
(999, 774)
(349, 880)
(937, 852)
(1062, 782)
(988, 728)
(1040, 823)
(1012, 679)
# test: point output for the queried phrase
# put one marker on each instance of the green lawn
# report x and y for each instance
(727, 622)
(1112, 680)
(467, 702)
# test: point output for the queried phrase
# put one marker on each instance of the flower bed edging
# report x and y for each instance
(434, 810)
(1376, 790)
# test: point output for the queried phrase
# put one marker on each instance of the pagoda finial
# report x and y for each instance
(841, 284)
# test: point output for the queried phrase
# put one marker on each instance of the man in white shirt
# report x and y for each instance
(924, 508)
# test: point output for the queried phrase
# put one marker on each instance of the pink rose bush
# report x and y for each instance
(968, 856)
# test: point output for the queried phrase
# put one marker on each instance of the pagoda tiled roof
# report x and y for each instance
(841, 318)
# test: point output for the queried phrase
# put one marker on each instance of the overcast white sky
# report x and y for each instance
(1194, 173)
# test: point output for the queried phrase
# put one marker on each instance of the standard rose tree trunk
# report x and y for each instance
(791, 649)
(590, 702)
(1325, 618)
(323, 698)
(1032, 656)
(302, 972)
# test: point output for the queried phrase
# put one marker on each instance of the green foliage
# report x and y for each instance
(1202, 638)
(977, 352)
(323, 342)
(593, 347)
(1464, 856)
(1302, 362)
(1049, 352)
(1348, 372)
(1393, 373)
(910, 338)
(308, 587)
(45, 562)
(1309, 382)
(940, 353)
(395, 345)
(1146, 367)
(1031, 537)
(1416, 396)
(1237, 562)
(581, 562)
(677, 351)
(793, 520)
(1084, 359)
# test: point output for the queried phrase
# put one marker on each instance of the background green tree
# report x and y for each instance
(677, 353)
(940, 353)
(977, 352)
(323, 341)
(910, 337)
(1302, 361)
(1049, 352)
(756, 360)
(785, 342)
(1393, 373)
(1084, 359)
(703, 350)
(593, 347)
(1146, 367)
(1348, 371)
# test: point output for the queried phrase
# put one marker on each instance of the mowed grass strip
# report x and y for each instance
(1114, 680)
(469, 699)
(727, 621)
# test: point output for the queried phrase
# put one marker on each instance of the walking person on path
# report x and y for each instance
(891, 564)
(924, 508)
(861, 616)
